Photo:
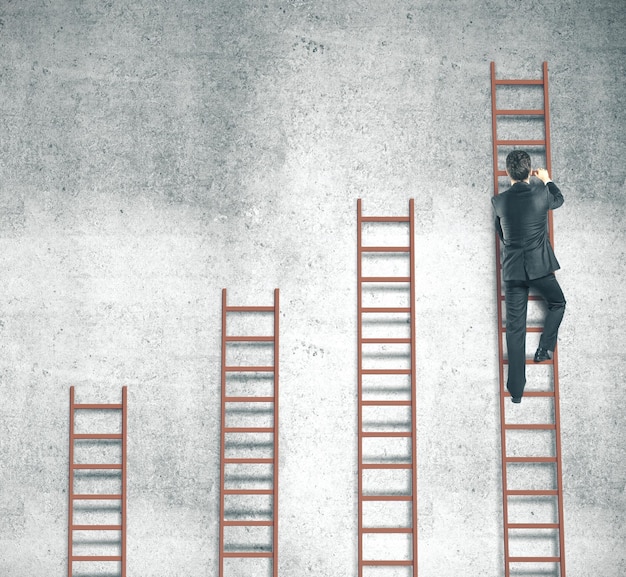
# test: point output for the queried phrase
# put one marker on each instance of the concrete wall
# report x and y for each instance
(154, 152)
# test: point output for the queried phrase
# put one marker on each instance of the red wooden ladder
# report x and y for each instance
(96, 496)
(231, 402)
(394, 398)
(524, 498)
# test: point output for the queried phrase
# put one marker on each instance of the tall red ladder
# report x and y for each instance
(225, 430)
(553, 394)
(73, 497)
(379, 313)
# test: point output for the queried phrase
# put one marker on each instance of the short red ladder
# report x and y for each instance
(403, 396)
(227, 548)
(527, 498)
(97, 497)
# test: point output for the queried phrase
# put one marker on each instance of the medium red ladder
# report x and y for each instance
(395, 398)
(230, 402)
(97, 497)
(552, 494)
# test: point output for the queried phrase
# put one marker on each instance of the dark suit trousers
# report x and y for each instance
(516, 298)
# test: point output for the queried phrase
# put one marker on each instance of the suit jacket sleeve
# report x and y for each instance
(555, 198)
(497, 219)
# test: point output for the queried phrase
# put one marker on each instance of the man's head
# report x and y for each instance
(518, 165)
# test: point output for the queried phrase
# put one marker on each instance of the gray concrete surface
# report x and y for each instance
(153, 152)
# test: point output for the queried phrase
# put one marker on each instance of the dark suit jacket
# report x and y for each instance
(521, 215)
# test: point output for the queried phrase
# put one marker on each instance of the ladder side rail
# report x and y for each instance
(559, 464)
(546, 108)
(70, 507)
(500, 304)
(494, 134)
(124, 475)
(546, 117)
(222, 437)
(275, 435)
(555, 365)
(360, 389)
(414, 508)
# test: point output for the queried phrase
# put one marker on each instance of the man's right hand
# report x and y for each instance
(542, 174)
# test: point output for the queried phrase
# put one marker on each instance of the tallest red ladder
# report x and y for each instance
(387, 444)
(533, 509)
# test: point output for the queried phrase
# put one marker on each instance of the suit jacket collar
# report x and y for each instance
(521, 187)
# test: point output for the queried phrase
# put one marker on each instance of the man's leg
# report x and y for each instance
(516, 298)
(548, 287)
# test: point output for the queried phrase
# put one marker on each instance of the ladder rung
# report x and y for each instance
(385, 279)
(534, 559)
(520, 142)
(251, 369)
(96, 527)
(525, 82)
(248, 492)
(387, 530)
(530, 459)
(386, 403)
(386, 341)
(106, 406)
(528, 329)
(532, 525)
(248, 523)
(386, 498)
(386, 466)
(370, 563)
(249, 399)
(529, 426)
(384, 219)
(530, 297)
(532, 492)
(519, 112)
(267, 554)
(96, 436)
(97, 558)
(97, 497)
(249, 461)
(386, 310)
(96, 466)
(386, 371)
(531, 361)
(249, 309)
(385, 249)
(533, 394)
(249, 429)
(385, 434)
(249, 339)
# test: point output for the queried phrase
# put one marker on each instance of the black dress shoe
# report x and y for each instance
(542, 355)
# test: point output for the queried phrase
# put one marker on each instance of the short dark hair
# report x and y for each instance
(518, 164)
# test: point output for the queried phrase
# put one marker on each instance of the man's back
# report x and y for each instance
(521, 214)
